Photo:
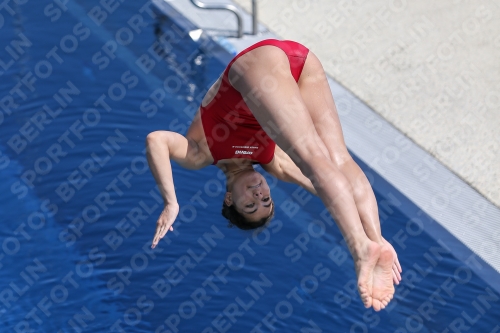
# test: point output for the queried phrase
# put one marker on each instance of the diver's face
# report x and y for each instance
(251, 196)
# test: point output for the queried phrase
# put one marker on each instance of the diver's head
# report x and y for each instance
(247, 203)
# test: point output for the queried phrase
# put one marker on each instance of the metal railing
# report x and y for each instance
(235, 11)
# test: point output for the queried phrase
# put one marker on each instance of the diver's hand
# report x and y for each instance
(165, 222)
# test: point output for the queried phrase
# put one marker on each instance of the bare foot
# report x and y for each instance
(396, 267)
(382, 287)
(365, 263)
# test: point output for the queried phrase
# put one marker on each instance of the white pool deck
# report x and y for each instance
(378, 136)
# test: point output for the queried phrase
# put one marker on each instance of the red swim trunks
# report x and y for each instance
(230, 127)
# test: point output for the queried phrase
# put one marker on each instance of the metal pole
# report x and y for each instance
(255, 22)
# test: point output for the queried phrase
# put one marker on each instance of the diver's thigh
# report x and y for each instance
(275, 100)
(317, 96)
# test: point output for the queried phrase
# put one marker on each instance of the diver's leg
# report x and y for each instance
(275, 100)
(318, 99)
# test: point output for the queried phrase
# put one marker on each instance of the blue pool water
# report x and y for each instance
(79, 206)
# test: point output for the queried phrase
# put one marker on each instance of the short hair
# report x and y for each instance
(237, 219)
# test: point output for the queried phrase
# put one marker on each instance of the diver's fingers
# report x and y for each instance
(164, 231)
(155, 239)
(161, 230)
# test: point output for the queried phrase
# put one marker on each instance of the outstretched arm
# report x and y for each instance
(283, 168)
(162, 146)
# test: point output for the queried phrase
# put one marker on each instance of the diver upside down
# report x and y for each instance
(273, 106)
